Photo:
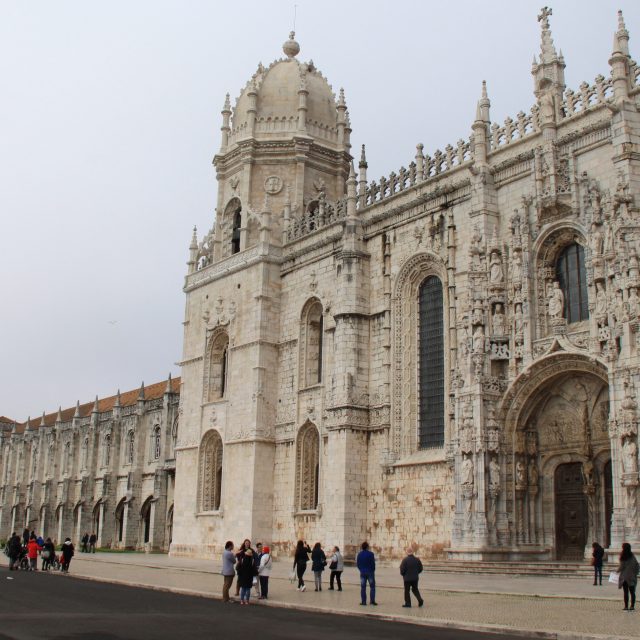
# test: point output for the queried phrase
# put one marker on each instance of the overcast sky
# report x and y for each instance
(110, 117)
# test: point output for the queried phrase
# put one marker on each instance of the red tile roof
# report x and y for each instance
(127, 398)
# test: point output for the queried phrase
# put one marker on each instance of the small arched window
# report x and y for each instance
(218, 366)
(313, 330)
(308, 467)
(235, 232)
(572, 279)
(211, 471)
(131, 446)
(431, 364)
(156, 443)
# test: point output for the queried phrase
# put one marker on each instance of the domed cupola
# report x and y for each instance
(289, 98)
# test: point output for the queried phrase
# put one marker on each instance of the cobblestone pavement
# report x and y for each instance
(563, 607)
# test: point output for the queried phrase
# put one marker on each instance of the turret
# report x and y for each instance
(302, 106)
(619, 61)
(341, 107)
(480, 128)
(252, 109)
(420, 162)
(362, 184)
(225, 128)
(193, 252)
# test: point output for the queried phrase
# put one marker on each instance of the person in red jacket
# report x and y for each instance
(32, 552)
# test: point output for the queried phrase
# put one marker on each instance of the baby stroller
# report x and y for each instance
(22, 562)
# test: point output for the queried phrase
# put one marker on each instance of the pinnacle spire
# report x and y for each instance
(117, 402)
(227, 104)
(59, 415)
(547, 48)
(76, 414)
(194, 239)
(621, 40)
(168, 387)
(95, 406)
(141, 394)
(42, 423)
(482, 110)
(363, 159)
(341, 100)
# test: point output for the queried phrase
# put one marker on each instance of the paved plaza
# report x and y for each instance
(547, 607)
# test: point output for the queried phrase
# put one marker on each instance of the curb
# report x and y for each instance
(433, 623)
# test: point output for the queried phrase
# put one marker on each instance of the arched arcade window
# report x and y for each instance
(572, 279)
(235, 232)
(211, 472)
(431, 364)
(313, 329)
(308, 467)
(218, 361)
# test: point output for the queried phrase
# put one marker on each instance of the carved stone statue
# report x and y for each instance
(601, 300)
(597, 239)
(547, 107)
(556, 301)
(494, 473)
(630, 456)
(521, 473)
(499, 325)
(478, 339)
(634, 301)
(518, 320)
(495, 269)
(467, 471)
(516, 268)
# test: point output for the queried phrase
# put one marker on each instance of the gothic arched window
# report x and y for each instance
(572, 278)
(218, 365)
(431, 364)
(131, 446)
(313, 329)
(308, 467)
(211, 471)
(156, 443)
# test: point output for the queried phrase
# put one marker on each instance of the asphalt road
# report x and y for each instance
(55, 607)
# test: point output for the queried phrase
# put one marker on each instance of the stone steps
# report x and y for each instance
(555, 569)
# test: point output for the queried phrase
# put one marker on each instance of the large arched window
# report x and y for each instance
(218, 366)
(431, 364)
(308, 467)
(235, 232)
(211, 471)
(572, 279)
(312, 334)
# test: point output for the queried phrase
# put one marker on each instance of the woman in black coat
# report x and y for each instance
(300, 560)
(246, 569)
(318, 563)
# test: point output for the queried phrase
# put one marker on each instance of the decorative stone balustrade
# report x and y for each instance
(514, 130)
(325, 215)
(588, 96)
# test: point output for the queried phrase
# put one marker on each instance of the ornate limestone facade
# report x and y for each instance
(106, 467)
(448, 356)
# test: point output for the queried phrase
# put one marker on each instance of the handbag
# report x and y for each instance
(614, 577)
(334, 565)
(293, 576)
(46, 554)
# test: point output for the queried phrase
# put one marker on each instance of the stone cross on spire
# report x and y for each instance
(547, 49)
(545, 12)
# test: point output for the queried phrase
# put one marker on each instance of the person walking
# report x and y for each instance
(318, 563)
(32, 552)
(264, 571)
(410, 570)
(25, 537)
(84, 548)
(228, 570)
(300, 559)
(15, 547)
(246, 572)
(67, 553)
(366, 563)
(93, 539)
(48, 554)
(336, 566)
(628, 576)
(596, 562)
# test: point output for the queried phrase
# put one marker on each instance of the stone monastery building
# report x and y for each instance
(448, 356)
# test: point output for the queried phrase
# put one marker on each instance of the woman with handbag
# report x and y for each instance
(318, 563)
(628, 576)
(336, 566)
(48, 554)
(300, 560)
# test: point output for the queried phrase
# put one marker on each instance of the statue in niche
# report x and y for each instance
(588, 473)
(556, 301)
(633, 301)
(495, 269)
(467, 471)
(516, 267)
(630, 456)
(533, 473)
(478, 339)
(518, 319)
(619, 310)
(494, 473)
(547, 107)
(521, 473)
(601, 300)
(597, 239)
(475, 249)
(499, 324)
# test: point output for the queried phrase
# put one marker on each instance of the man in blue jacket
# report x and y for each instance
(366, 563)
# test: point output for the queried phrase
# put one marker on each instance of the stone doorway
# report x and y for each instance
(572, 515)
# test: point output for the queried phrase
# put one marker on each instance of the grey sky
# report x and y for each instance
(110, 118)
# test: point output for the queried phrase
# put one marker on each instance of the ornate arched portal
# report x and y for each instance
(558, 472)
